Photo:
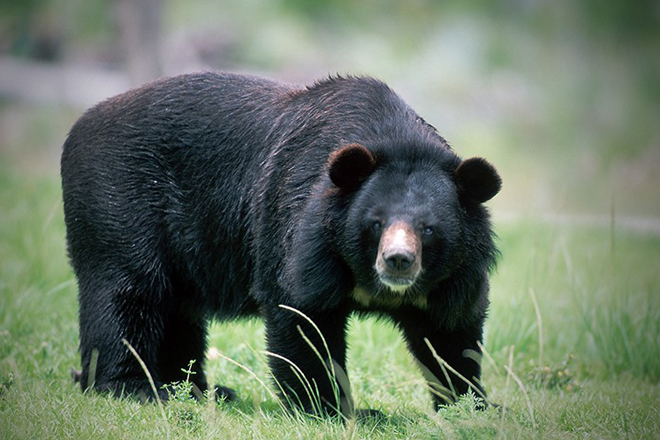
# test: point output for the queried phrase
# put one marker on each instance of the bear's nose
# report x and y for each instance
(399, 261)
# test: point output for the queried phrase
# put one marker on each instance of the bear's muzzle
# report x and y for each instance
(399, 260)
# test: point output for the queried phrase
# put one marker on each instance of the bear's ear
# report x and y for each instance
(477, 180)
(351, 165)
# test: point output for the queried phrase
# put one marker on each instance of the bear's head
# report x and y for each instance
(410, 221)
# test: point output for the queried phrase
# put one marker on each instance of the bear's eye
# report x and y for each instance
(377, 226)
(427, 230)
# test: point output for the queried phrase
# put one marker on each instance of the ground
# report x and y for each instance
(572, 343)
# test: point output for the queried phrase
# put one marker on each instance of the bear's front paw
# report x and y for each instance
(225, 394)
(369, 415)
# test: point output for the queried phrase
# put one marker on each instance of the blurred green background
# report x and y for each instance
(562, 96)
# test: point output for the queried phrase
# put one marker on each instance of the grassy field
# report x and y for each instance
(562, 97)
(572, 341)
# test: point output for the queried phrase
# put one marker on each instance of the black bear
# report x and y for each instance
(218, 196)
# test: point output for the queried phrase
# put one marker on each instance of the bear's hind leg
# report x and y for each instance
(110, 314)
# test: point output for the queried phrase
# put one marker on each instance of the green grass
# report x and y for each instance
(572, 338)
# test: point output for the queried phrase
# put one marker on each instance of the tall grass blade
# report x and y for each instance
(509, 369)
(250, 372)
(539, 321)
(307, 386)
(444, 364)
(328, 363)
(151, 382)
(93, 364)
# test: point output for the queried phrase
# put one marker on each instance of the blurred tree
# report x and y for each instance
(628, 20)
(28, 30)
(140, 24)
(365, 12)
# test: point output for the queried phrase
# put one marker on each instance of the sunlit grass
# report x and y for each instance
(597, 299)
(597, 294)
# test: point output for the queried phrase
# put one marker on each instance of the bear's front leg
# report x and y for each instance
(308, 360)
(433, 347)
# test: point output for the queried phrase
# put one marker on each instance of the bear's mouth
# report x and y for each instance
(396, 284)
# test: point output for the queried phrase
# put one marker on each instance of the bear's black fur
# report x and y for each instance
(217, 196)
